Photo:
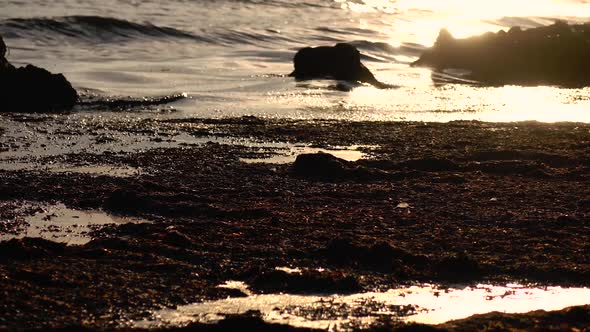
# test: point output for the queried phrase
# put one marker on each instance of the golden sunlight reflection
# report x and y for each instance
(498, 8)
(433, 305)
(460, 102)
(474, 9)
(424, 18)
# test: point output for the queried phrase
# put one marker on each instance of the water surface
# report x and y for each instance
(231, 56)
(429, 304)
(70, 226)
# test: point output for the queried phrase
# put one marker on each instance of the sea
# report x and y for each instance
(231, 58)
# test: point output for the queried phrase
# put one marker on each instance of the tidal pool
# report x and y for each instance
(97, 170)
(349, 153)
(430, 304)
(60, 224)
(115, 171)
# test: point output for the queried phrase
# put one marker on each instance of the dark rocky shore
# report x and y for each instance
(33, 89)
(484, 202)
(548, 55)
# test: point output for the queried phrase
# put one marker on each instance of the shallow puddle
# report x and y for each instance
(31, 146)
(350, 153)
(61, 224)
(424, 304)
(98, 170)
(114, 171)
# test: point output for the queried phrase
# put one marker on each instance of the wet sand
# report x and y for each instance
(461, 202)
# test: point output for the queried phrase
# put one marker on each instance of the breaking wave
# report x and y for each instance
(88, 28)
(93, 29)
(92, 102)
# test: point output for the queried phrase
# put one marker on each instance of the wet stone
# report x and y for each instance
(460, 267)
(320, 165)
(29, 248)
(380, 256)
(34, 89)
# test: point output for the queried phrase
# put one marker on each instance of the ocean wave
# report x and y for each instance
(249, 37)
(88, 28)
(289, 3)
(383, 52)
(91, 101)
(523, 22)
(93, 29)
(347, 30)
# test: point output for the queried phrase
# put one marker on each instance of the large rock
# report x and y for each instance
(321, 165)
(4, 64)
(32, 89)
(558, 54)
(324, 166)
(339, 62)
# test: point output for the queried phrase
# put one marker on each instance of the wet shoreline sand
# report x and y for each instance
(445, 203)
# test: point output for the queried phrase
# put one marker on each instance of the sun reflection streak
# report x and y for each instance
(487, 9)
(422, 102)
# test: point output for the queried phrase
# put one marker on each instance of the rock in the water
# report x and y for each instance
(33, 89)
(339, 62)
(4, 64)
(557, 54)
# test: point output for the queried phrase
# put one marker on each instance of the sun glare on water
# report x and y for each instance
(420, 21)
(466, 17)
(463, 102)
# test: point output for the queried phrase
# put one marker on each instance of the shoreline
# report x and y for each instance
(463, 201)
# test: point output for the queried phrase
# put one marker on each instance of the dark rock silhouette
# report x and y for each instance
(33, 89)
(380, 256)
(4, 64)
(324, 166)
(557, 54)
(306, 281)
(460, 267)
(339, 62)
(320, 165)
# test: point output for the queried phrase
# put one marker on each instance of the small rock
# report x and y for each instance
(403, 205)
